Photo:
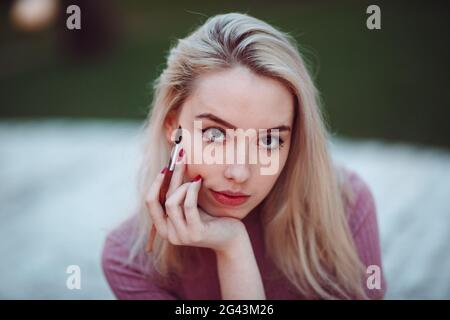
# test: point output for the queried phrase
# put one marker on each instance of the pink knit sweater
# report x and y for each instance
(202, 282)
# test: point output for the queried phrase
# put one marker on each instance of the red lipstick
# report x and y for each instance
(230, 198)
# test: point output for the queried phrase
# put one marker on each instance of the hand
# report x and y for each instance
(187, 224)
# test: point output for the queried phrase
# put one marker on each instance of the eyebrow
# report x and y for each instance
(214, 118)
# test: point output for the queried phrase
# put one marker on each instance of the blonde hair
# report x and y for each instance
(306, 231)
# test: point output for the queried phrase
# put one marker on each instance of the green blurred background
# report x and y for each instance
(390, 84)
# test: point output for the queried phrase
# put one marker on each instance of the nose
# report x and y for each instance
(239, 170)
(239, 173)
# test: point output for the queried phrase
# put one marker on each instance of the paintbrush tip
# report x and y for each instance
(179, 135)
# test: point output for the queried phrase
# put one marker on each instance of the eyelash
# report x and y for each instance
(280, 144)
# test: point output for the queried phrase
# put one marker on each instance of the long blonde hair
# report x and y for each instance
(306, 231)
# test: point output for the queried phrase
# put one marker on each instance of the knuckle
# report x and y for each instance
(173, 239)
(195, 237)
(184, 240)
(189, 205)
(170, 205)
(169, 193)
(148, 202)
(163, 235)
(151, 213)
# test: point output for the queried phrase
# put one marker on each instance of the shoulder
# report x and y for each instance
(117, 245)
(362, 219)
(133, 278)
(358, 198)
(119, 239)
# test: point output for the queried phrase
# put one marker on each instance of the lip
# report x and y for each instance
(229, 198)
(233, 194)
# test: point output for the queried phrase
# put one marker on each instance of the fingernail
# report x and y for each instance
(164, 170)
(198, 177)
(181, 152)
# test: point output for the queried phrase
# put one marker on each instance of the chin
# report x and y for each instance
(221, 212)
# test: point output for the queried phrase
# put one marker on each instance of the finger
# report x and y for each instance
(157, 213)
(178, 174)
(193, 220)
(174, 209)
(172, 233)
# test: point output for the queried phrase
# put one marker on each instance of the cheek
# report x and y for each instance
(284, 152)
(192, 170)
(264, 184)
(283, 156)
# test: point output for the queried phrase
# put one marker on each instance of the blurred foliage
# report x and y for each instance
(389, 84)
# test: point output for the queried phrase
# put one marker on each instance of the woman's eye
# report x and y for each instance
(271, 142)
(213, 134)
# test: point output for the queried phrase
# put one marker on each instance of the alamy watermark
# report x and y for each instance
(219, 151)
(73, 21)
(373, 22)
(374, 277)
(73, 281)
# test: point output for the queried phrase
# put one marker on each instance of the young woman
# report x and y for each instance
(308, 230)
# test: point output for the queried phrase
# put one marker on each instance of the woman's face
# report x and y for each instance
(227, 100)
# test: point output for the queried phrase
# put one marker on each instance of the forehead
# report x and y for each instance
(242, 98)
